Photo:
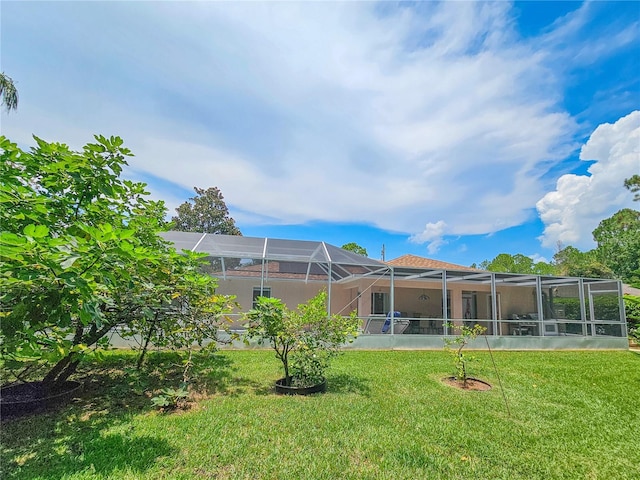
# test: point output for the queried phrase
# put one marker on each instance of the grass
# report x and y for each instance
(386, 415)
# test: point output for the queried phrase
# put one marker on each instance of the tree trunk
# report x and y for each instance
(61, 371)
(145, 346)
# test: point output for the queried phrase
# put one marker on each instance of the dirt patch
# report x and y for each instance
(472, 384)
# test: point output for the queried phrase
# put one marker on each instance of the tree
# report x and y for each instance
(518, 263)
(618, 239)
(8, 92)
(633, 185)
(355, 248)
(207, 214)
(572, 262)
(81, 256)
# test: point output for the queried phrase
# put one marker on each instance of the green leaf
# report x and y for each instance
(68, 263)
(29, 230)
(8, 238)
(40, 231)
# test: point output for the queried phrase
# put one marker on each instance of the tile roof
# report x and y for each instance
(422, 262)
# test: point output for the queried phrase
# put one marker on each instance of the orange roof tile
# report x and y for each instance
(422, 262)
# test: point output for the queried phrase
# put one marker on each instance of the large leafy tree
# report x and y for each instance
(81, 256)
(206, 212)
(517, 263)
(8, 92)
(618, 239)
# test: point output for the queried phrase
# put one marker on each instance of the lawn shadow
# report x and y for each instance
(94, 433)
(76, 439)
(348, 383)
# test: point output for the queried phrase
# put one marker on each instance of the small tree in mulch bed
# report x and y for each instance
(456, 345)
(304, 340)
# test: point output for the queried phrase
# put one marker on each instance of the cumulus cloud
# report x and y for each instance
(433, 234)
(434, 114)
(575, 208)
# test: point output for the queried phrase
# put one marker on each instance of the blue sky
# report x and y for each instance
(456, 130)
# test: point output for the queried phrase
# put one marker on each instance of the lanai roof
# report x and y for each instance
(235, 246)
(328, 261)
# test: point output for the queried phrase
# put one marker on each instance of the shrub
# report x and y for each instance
(304, 339)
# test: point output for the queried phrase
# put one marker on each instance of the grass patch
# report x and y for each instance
(385, 415)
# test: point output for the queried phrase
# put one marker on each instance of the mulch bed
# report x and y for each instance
(473, 384)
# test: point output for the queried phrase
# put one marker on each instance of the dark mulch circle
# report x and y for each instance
(472, 384)
(24, 398)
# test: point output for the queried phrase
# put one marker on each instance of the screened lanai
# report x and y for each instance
(415, 306)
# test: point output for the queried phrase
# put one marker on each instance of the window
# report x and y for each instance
(379, 303)
(266, 292)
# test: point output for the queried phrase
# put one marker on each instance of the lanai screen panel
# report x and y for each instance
(345, 257)
(231, 246)
(295, 251)
(182, 240)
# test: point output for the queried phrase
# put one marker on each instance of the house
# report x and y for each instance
(426, 296)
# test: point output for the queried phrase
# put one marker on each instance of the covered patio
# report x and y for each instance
(426, 296)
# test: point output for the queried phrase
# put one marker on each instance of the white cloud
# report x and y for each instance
(433, 234)
(580, 202)
(537, 258)
(341, 112)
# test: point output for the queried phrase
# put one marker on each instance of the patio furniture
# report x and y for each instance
(382, 325)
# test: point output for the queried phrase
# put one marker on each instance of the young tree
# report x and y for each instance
(8, 92)
(81, 256)
(355, 248)
(206, 213)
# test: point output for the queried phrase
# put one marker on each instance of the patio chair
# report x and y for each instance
(399, 324)
(374, 324)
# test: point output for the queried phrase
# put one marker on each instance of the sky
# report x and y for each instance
(454, 131)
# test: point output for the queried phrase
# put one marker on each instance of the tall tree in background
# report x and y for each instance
(571, 262)
(633, 184)
(618, 240)
(355, 248)
(8, 92)
(517, 263)
(206, 213)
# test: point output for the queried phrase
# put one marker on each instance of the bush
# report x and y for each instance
(305, 339)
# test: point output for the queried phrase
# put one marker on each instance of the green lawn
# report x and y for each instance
(386, 415)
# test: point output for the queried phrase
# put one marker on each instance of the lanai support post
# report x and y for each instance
(494, 303)
(329, 292)
(393, 301)
(445, 313)
(539, 304)
(583, 310)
